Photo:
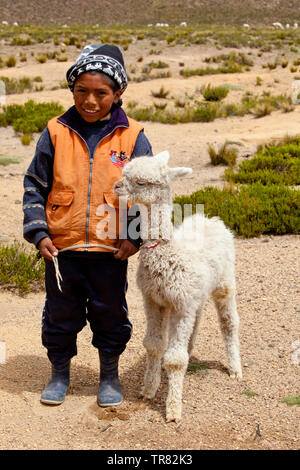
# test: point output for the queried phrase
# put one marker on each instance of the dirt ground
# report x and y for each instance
(217, 413)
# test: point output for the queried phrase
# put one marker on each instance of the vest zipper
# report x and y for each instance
(91, 157)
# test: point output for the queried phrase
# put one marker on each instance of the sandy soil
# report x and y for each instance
(217, 414)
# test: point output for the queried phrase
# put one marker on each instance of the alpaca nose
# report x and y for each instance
(118, 186)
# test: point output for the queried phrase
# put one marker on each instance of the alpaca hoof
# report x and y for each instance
(173, 420)
(144, 398)
(236, 375)
(173, 416)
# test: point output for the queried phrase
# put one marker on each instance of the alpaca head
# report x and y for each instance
(148, 180)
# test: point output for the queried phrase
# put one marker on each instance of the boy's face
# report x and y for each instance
(93, 97)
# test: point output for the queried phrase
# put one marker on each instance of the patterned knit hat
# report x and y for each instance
(102, 58)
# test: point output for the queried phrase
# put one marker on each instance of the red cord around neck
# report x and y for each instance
(153, 246)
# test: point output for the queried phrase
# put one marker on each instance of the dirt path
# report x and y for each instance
(216, 412)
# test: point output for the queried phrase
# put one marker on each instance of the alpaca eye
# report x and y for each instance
(141, 183)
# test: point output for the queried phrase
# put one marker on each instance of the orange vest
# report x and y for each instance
(81, 206)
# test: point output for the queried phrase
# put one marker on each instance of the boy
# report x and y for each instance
(78, 158)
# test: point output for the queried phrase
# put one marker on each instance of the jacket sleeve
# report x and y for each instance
(37, 185)
(142, 148)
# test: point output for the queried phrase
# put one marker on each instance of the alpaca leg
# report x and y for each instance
(195, 331)
(229, 321)
(155, 344)
(176, 360)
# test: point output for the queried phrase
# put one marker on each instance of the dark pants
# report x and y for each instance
(93, 288)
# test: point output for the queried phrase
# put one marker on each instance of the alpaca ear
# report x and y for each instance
(163, 157)
(179, 172)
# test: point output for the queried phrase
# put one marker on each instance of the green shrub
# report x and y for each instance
(158, 65)
(11, 61)
(258, 81)
(231, 58)
(262, 109)
(292, 400)
(18, 41)
(208, 111)
(225, 155)
(63, 84)
(204, 113)
(26, 139)
(249, 393)
(20, 269)
(230, 68)
(71, 41)
(51, 55)
(211, 93)
(196, 368)
(30, 117)
(17, 85)
(23, 57)
(62, 58)
(160, 105)
(5, 160)
(275, 164)
(251, 210)
(157, 75)
(162, 93)
(41, 59)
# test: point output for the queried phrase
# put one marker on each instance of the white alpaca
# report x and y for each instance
(277, 25)
(176, 275)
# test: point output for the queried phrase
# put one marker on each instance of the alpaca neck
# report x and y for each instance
(156, 223)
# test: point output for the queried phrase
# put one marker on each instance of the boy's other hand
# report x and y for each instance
(47, 249)
(126, 249)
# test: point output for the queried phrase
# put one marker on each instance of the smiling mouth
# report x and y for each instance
(90, 111)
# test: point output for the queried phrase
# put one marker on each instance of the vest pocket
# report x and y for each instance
(59, 211)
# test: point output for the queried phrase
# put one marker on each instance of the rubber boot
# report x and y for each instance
(110, 392)
(55, 391)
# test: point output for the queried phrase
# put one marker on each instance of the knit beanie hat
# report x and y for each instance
(102, 58)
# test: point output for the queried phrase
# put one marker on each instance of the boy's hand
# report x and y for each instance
(126, 249)
(47, 249)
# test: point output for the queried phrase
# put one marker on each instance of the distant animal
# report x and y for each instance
(277, 25)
